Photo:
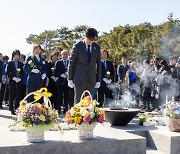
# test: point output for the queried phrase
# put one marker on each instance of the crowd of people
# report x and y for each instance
(66, 75)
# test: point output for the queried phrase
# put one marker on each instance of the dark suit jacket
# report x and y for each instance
(1, 70)
(110, 68)
(121, 71)
(50, 73)
(40, 65)
(12, 71)
(79, 66)
(59, 70)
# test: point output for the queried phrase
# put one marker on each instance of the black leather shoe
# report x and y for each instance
(13, 113)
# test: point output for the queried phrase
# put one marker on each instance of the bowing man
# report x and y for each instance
(62, 83)
(107, 77)
(36, 69)
(15, 75)
(84, 71)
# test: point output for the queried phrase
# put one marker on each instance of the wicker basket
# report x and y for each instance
(174, 124)
(85, 130)
(35, 137)
(35, 134)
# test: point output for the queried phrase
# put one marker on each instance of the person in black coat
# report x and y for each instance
(1, 66)
(46, 80)
(122, 69)
(62, 83)
(145, 84)
(176, 77)
(24, 80)
(107, 77)
(15, 75)
(52, 79)
(1, 71)
(36, 69)
(4, 91)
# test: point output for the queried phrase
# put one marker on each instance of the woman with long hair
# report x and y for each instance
(36, 69)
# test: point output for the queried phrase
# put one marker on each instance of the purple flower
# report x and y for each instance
(47, 117)
(36, 121)
(33, 112)
(37, 110)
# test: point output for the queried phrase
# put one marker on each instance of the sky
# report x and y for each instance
(20, 18)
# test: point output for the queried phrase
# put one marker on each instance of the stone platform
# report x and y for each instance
(121, 140)
(159, 138)
(107, 141)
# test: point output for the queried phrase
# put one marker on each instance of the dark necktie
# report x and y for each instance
(89, 53)
(65, 63)
(105, 65)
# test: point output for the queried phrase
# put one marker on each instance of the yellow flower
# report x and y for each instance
(77, 120)
(43, 110)
(86, 113)
(22, 105)
(39, 93)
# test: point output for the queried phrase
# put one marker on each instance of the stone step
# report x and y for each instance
(158, 137)
(152, 151)
(164, 140)
(107, 140)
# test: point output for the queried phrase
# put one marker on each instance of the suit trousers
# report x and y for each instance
(79, 89)
(2, 93)
(62, 96)
(103, 93)
(15, 95)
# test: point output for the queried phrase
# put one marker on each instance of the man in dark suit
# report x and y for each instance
(62, 83)
(122, 69)
(84, 71)
(15, 75)
(107, 77)
(1, 71)
(4, 91)
(1, 66)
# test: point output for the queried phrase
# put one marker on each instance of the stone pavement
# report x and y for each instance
(107, 140)
(5, 117)
(126, 139)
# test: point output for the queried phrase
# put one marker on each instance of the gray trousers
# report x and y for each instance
(79, 89)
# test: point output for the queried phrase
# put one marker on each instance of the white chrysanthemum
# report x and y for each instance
(72, 112)
(42, 118)
(82, 110)
(92, 114)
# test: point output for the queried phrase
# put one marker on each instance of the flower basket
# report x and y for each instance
(35, 117)
(85, 131)
(35, 133)
(172, 114)
(174, 125)
(85, 115)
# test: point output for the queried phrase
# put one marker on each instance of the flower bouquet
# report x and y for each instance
(173, 112)
(108, 75)
(35, 117)
(31, 64)
(18, 72)
(85, 115)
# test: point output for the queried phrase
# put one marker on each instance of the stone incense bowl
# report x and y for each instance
(120, 116)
